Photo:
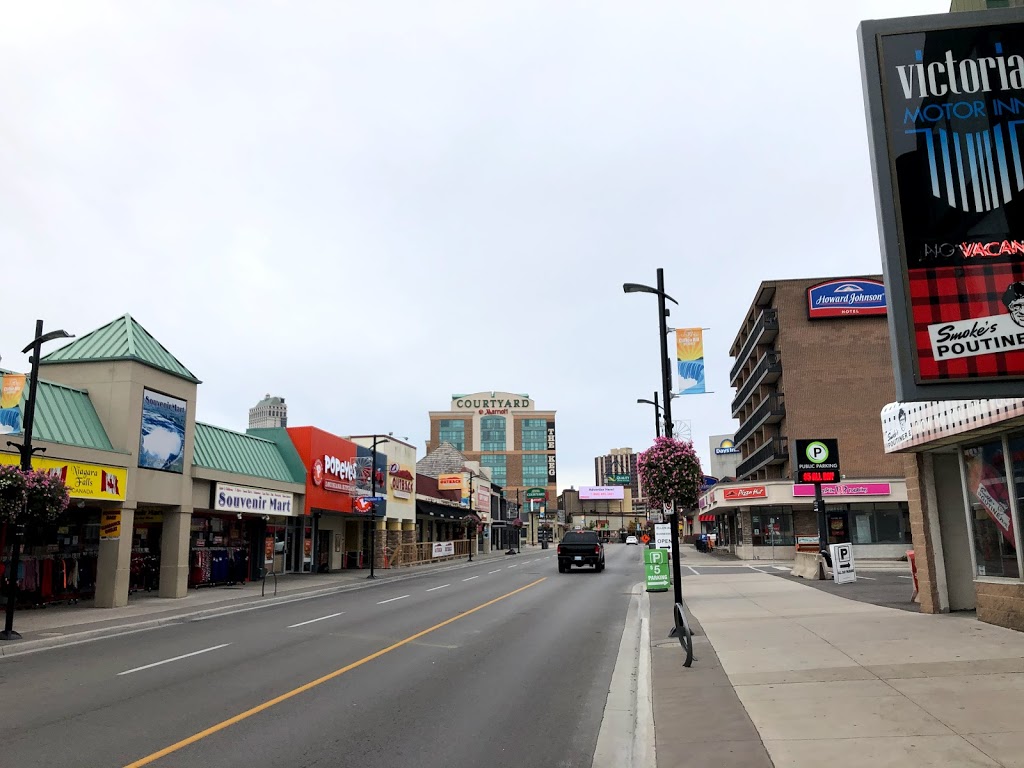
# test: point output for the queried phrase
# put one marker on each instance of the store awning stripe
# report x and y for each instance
(707, 518)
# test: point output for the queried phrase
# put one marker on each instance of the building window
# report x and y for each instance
(535, 470)
(879, 523)
(535, 434)
(995, 552)
(772, 525)
(492, 433)
(497, 467)
(453, 431)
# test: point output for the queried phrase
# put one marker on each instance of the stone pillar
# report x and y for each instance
(394, 537)
(174, 551)
(920, 476)
(382, 542)
(113, 565)
(408, 531)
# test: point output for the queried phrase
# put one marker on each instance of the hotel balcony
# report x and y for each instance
(767, 370)
(765, 329)
(775, 451)
(771, 411)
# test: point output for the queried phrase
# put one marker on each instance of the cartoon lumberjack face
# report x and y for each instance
(1014, 301)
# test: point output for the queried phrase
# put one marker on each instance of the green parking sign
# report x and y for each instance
(657, 572)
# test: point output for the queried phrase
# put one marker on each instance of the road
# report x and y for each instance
(501, 663)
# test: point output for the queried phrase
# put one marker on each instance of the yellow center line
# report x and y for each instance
(314, 683)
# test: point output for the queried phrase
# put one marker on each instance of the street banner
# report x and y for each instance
(10, 412)
(690, 360)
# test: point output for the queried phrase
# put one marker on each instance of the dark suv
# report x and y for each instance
(580, 548)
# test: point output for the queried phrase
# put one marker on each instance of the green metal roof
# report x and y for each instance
(241, 454)
(279, 436)
(121, 339)
(65, 415)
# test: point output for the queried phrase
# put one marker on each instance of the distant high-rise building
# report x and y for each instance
(619, 467)
(268, 412)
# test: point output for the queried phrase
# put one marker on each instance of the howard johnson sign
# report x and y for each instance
(845, 298)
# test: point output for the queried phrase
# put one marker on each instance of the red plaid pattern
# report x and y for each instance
(948, 294)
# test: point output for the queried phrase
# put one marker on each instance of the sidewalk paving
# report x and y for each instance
(821, 677)
(63, 624)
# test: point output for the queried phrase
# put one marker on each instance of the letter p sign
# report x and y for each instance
(817, 452)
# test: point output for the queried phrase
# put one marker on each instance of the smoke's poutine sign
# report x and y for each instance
(945, 99)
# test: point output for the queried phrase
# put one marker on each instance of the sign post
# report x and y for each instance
(656, 570)
(817, 462)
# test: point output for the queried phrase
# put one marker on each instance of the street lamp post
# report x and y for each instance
(373, 504)
(666, 389)
(26, 450)
(657, 413)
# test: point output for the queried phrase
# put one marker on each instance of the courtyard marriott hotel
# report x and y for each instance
(505, 432)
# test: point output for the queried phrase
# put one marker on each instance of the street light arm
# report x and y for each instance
(648, 402)
(45, 338)
(639, 288)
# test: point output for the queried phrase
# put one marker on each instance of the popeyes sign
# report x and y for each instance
(746, 492)
(333, 471)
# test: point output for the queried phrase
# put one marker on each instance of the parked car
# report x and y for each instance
(632, 540)
(580, 548)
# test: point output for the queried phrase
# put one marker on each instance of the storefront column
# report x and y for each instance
(174, 552)
(394, 536)
(382, 543)
(113, 565)
(924, 531)
(408, 531)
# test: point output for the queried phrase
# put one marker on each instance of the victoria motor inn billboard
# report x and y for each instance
(945, 106)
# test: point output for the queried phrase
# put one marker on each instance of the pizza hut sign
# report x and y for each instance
(746, 492)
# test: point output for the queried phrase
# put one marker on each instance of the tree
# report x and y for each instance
(31, 497)
(670, 472)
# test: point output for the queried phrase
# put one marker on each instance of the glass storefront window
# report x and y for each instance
(882, 523)
(772, 526)
(992, 526)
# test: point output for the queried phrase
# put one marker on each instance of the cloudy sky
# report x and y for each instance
(366, 207)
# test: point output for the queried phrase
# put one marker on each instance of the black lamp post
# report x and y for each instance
(26, 450)
(657, 413)
(666, 390)
(373, 504)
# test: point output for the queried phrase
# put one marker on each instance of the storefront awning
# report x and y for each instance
(707, 518)
(439, 511)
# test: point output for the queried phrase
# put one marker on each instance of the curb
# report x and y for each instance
(23, 647)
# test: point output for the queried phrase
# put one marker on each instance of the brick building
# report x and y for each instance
(507, 434)
(811, 360)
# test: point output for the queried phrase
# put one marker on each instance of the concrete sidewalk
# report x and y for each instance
(58, 625)
(818, 677)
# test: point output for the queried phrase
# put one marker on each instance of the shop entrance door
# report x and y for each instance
(293, 547)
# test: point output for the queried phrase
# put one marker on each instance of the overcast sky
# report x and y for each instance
(365, 207)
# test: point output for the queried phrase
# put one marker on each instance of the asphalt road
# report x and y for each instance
(502, 663)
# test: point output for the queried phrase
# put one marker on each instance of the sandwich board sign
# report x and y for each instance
(663, 536)
(843, 569)
(656, 570)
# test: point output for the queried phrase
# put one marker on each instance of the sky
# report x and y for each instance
(366, 207)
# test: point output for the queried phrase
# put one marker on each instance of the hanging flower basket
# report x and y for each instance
(33, 496)
(670, 472)
(48, 496)
(12, 493)
(471, 522)
(517, 523)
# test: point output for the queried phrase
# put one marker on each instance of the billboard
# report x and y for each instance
(162, 434)
(588, 492)
(690, 360)
(945, 101)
